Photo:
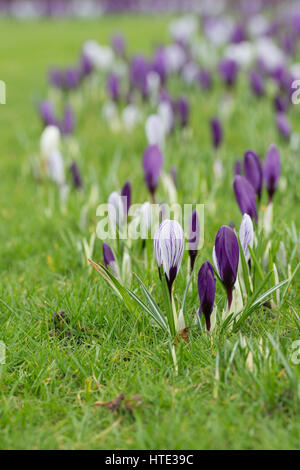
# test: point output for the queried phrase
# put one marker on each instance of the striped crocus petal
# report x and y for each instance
(246, 235)
(253, 171)
(169, 247)
(116, 212)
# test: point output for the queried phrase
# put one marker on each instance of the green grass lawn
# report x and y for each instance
(56, 369)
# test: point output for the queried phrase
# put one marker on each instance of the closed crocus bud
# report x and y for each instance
(68, 123)
(55, 165)
(110, 260)
(257, 83)
(155, 130)
(152, 165)
(245, 196)
(246, 235)
(86, 65)
(283, 125)
(116, 211)
(183, 110)
(139, 69)
(76, 176)
(50, 140)
(194, 237)
(237, 167)
(272, 170)
(169, 247)
(226, 258)
(206, 290)
(113, 86)
(126, 194)
(56, 77)
(253, 171)
(47, 113)
(216, 131)
(281, 103)
(228, 69)
(118, 44)
(204, 79)
(71, 78)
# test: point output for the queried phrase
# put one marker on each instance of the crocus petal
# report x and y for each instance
(245, 196)
(246, 235)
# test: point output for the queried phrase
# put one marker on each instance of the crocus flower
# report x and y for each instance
(281, 103)
(283, 125)
(55, 165)
(253, 171)
(228, 69)
(272, 170)
(217, 132)
(183, 110)
(71, 78)
(139, 69)
(47, 113)
(245, 196)
(160, 64)
(86, 65)
(169, 247)
(68, 123)
(152, 165)
(76, 176)
(116, 211)
(237, 167)
(206, 290)
(110, 260)
(126, 194)
(194, 237)
(257, 83)
(155, 130)
(118, 44)
(113, 86)
(246, 235)
(50, 140)
(56, 77)
(204, 79)
(226, 258)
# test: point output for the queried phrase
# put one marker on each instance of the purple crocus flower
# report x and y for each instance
(118, 44)
(228, 69)
(206, 290)
(194, 237)
(226, 258)
(217, 132)
(204, 79)
(126, 193)
(272, 170)
(183, 110)
(71, 78)
(56, 77)
(152, 165)
(245, 196)
(76, 176)
(110, 260)
(47, 113)
(253, 171)
(139, 69)
(160, 65)
(283, 125)
(68, 123)
(237, 167)
(113, 86)
(257, 83)
(169, 248)
(238, 35)
(281, 103)
(86, 66)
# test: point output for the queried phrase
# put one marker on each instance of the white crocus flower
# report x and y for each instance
(246, 235)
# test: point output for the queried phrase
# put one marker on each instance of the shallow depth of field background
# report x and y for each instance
(49, 383)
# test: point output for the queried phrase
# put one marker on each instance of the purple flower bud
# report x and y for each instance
(86, 65)
(183, 110)
(139, 69)
(160, 64)
(110, 260)
(194, 237)
(253, 171)
(71, 78)
(245, 196)
(228, 69)
(237, 167)
(76, 176)
(272, 170)
(283, 125)
(226, 258)
(152, 165)
(56, 77)
(118, 44)
(238, 35)
(169, 247)
(217, 132)
(113, 87)
(126, 193)
(47, 113)
(204, 79)
(206, 290)
(68, 123)
(281, 103)
(246, 235)
(257, 83)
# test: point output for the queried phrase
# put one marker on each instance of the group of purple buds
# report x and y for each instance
(48, 116)
(248, 188)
